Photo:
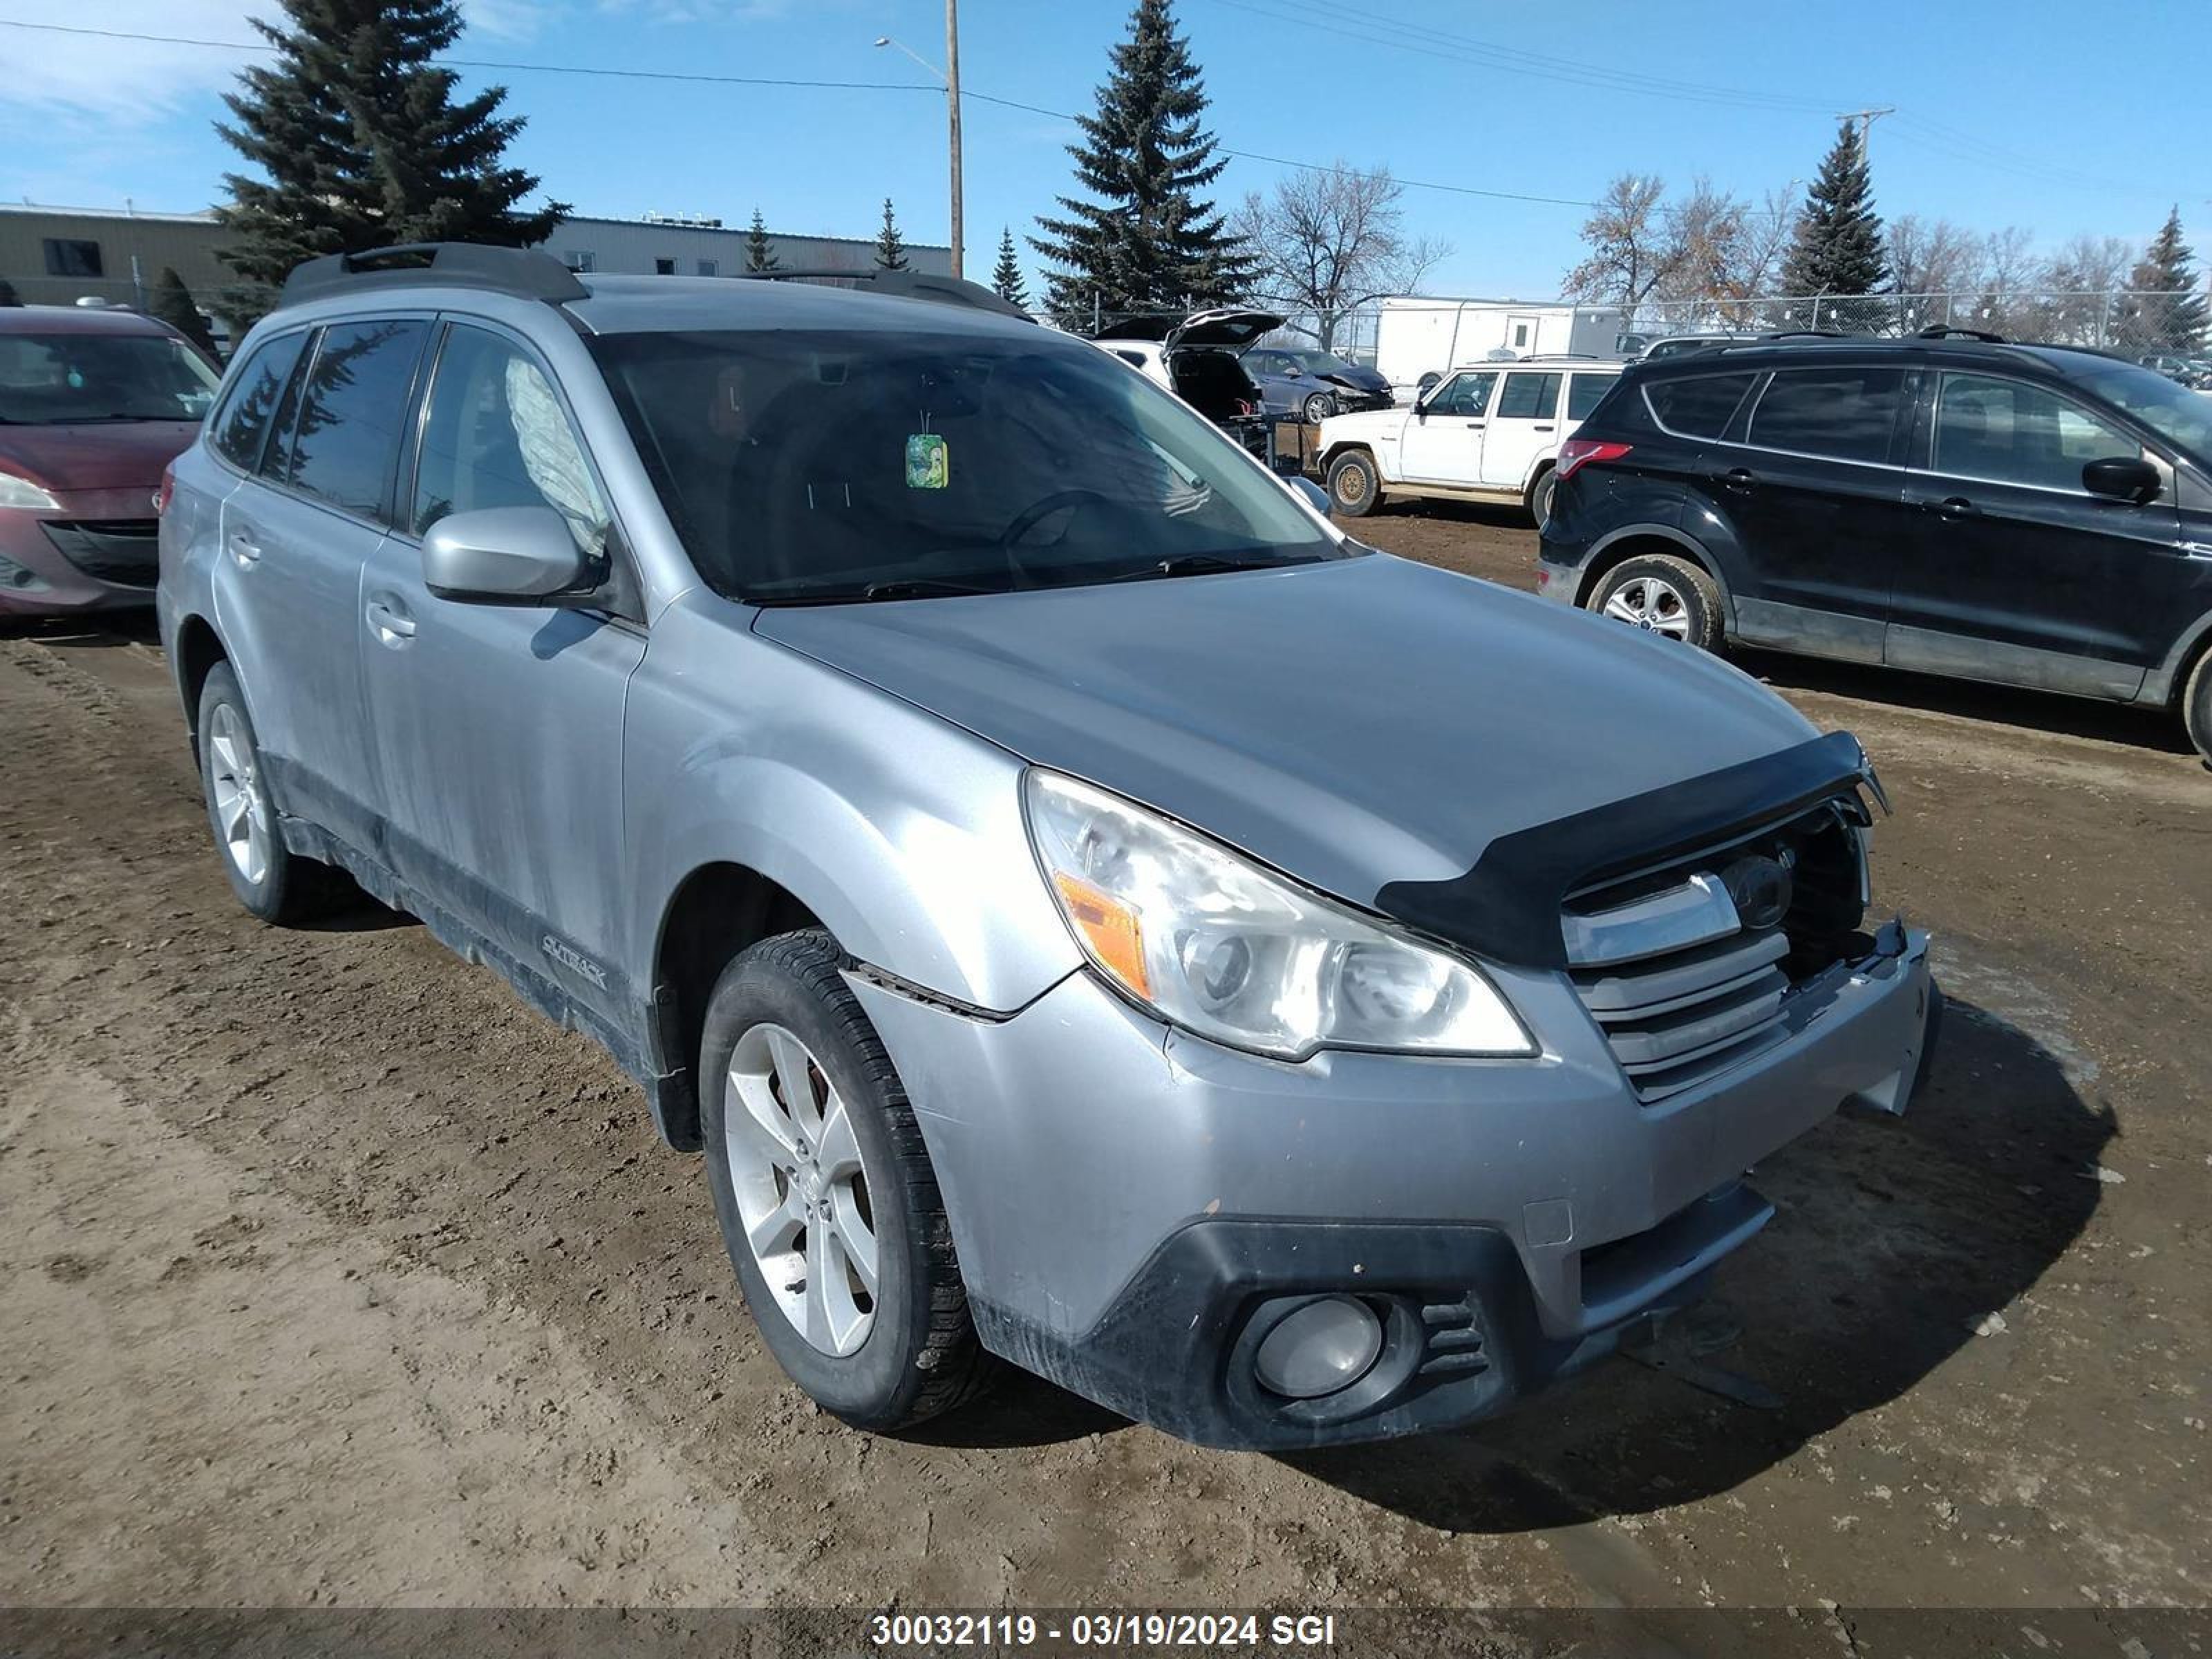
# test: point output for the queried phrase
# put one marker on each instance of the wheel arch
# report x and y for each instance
(1632, 541)
(716, 911)
(2168, 683)
(198, 648)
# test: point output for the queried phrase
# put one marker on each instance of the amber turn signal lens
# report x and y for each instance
(1110, 927)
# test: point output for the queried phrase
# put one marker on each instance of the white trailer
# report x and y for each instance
(1419, 334)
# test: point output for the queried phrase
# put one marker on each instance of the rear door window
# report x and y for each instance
(2010, 432)
(1699, 406)
(1585, 392)
(1840, 414)
(1529, 397)
(242, 428)
(347, 441)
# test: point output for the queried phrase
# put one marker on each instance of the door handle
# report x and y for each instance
(1737, 480)
(1953, 507)
(1546, 427)
(392, 625)
(243, 547)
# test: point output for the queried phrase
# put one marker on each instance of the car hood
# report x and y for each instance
(1360, 379)
(100, 455)
(1356, 723)
(1370, 424)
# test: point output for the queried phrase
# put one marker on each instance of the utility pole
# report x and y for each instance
(1865, 118)
(952, 113)
(950, 76)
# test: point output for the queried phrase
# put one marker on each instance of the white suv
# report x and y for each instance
(1489, 432)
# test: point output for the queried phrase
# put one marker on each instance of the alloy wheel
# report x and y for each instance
(1650, 604)
(242, 806)
(801, 1184)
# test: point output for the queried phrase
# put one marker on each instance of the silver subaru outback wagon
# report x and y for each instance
(1089, 914)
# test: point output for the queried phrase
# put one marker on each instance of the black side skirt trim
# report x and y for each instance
(1507, 907)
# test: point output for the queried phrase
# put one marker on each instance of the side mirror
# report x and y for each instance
(1292, 372)
(2123, 478)
(506, 555)
(1316, 496)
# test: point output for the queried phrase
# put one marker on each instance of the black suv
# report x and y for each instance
(2033, 515)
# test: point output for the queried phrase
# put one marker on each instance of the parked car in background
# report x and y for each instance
(1488, 432)
(94, 403)
(1196, 357)
(920, 751)
(2032, 515)
(2195, 372)
(1299, 383)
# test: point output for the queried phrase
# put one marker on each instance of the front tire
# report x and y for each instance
(1663, 594)
(2196, 706)
(1318, 408)
(274, 883)
(828, 1203)
(1355, 487)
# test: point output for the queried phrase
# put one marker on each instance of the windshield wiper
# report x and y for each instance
(901, 587)
(1202, 564)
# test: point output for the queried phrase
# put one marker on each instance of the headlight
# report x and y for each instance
(22, 492)
(1211, 942)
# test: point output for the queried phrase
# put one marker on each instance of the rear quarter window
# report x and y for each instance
(1697, 405)
(1586, 391)
(241, 426)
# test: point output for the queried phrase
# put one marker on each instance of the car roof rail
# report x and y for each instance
(1799, 334)
(524, 272)
(1946, 331)
(906, 284)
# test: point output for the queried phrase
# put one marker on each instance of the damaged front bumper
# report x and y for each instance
(1135, 1210)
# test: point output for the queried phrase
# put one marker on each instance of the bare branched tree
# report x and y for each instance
(1631, 244)
(1329, 241)
(1928, 258)
(1703, 247)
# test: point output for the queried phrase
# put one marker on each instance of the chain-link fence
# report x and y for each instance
(2134, 324)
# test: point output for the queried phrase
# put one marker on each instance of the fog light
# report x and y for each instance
(17, 580)
(1326, 1346)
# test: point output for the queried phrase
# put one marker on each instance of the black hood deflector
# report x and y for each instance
(1507, 907)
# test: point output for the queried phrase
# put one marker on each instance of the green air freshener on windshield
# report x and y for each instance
(928, 463)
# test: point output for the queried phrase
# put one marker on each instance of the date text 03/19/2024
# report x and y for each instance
(894, 1630)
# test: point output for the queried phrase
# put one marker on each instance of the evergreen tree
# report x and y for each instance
(172, 302)
(2166, 311)
(1838, 249)
(363, 143)
(891, 248)
(759, 256)
(1007, 277)
(1148, 241)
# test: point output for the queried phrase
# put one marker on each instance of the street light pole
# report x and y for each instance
(950, 76)
(952, 117)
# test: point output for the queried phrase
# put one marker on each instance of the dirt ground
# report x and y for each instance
(335, 1275)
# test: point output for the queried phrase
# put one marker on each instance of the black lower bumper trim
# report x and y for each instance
(1175, 1349)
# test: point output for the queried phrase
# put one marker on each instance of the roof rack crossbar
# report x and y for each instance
(1946, 331)
(908, 284)
(524, 272)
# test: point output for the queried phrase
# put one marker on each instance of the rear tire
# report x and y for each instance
(1541, 489)
(1355, 487)
(2196, 706)
(277, 885)
(1663, 595)
(831, 1205)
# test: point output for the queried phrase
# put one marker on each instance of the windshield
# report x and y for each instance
(813, 466)
(2181, 417)
(67, 380)
(1319, 362)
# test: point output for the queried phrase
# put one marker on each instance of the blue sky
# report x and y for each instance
(2045, 116)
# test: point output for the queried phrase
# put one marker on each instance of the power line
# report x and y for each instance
(509, 67)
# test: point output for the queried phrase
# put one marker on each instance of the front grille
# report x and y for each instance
(1686, 977)
(125, 551)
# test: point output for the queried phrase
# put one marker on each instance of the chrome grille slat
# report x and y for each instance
(1656, 987)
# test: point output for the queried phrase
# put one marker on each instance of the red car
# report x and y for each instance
(93, 405)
